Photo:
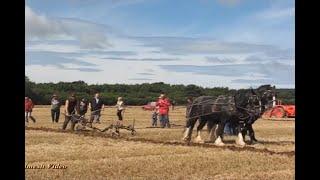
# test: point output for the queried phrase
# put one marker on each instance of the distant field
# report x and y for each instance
(155, 153)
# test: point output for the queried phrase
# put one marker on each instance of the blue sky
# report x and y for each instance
(229, 43)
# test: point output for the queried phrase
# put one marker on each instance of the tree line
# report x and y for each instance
(136, 94)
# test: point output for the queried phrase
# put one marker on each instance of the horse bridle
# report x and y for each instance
(264, 96)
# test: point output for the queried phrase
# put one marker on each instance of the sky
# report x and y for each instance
(210, 43)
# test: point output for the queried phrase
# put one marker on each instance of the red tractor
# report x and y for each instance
(150, 106)
(280, 111)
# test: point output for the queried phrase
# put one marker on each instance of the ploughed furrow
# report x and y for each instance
(171, 143)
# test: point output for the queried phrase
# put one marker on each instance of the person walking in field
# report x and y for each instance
(71, 108)
(83, 106)
(28, 106)
(96, 105)
(55, 108)
(163, 104)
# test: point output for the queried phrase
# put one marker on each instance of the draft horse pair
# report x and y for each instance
(242, 110)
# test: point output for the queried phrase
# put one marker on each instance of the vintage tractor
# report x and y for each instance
(150, 106)
(280, 111)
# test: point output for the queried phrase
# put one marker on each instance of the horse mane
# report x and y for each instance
(264, 87)
(241, 97)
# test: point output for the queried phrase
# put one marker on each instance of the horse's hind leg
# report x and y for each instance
(211, 126)
(202, 123)
(240, 139)
(251, 134)
(220, 128)
(218, 133)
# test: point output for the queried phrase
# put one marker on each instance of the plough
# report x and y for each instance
(82, 124)
(120, 126)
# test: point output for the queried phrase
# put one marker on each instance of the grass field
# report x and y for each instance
(154, 153)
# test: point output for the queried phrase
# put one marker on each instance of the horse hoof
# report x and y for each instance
(241, 143)
(198, 140)
(219, 144)
(186, 139)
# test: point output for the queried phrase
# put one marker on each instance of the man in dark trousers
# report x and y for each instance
(96, 105)
(71, 108)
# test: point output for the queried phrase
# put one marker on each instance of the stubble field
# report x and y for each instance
(154, 153)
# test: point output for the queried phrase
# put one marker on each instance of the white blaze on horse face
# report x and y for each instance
(240, 141)
(260, 106)
(273, 101)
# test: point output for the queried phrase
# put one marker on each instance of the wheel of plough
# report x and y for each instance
(278, 112)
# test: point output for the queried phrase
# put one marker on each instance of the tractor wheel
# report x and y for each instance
(278, 112)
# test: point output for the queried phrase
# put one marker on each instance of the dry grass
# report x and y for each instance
(105, 158)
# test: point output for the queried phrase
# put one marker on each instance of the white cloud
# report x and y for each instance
(277, 13)
(84, 55)
(58, 48)
(89, 35)
(93, 41)
(40, 26)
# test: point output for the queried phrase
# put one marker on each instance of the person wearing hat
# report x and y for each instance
(71, 108)
(55, 108)
(163, 104)
(28, 106)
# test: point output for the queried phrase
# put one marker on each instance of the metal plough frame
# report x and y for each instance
(117, 127)
(86, 124)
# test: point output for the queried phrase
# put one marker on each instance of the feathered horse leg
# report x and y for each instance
(202, 123)
(188, 131)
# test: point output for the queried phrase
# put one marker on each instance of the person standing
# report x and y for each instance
(163, 105)
(120, 108)
(55, 108)
(168, 117)
(71, 108)
(173, 103)
(28, 106)
(154, 118)
(96, 105)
